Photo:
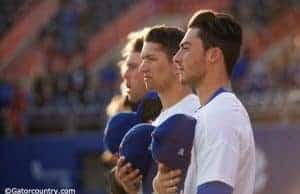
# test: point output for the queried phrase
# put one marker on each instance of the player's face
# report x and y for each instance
(135, 88)
(158, 69)
(190, 59)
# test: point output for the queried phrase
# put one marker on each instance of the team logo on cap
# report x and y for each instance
(149, 147)
(180, 152)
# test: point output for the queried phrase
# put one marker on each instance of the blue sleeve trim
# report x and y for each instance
(215, 187)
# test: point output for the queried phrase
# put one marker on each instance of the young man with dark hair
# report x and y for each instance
(223, 156)
(137, 94)
(160, 74)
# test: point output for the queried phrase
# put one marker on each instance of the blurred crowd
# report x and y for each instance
(65, 90)
(278, 69)
(68, 95)
(279, 66)
(8, 10)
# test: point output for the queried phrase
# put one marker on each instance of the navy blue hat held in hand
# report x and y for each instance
(117, 127)
(172, 142)
(135, 147)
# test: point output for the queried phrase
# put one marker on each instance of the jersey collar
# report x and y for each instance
(216, 93)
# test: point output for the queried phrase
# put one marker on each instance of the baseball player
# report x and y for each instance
(223, 154)
(160, 74)
(135, 90)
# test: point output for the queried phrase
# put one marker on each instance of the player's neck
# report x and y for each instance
(209, 86)
(173, 94)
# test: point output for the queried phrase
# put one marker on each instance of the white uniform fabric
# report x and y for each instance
(223, 148)
(187, 105)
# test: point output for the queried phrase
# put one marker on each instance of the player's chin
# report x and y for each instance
(148, 84)
(131, 96)
(150, 87)
(184, 80)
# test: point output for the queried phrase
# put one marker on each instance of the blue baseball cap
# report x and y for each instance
(135, 147)
(117, 127)
(172, 141)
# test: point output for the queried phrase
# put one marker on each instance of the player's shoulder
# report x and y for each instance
(191, 99)
(224, 105)
(187, 105)
(224, 112)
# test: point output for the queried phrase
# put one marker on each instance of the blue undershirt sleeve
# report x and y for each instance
(215, 187)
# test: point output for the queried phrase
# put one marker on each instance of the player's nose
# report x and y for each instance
(143, 67)
(177, 57)
(126, 75)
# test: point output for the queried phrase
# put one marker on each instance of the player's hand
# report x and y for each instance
(166, 180)
(129, 178)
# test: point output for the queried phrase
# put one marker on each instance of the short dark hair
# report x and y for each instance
(219, 30)
(138, 45)
(168, 37)
(135, 42)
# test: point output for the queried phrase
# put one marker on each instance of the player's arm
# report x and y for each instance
(166, 181)
(129, 178)
(215, 187)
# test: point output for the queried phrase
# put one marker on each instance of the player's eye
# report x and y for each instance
(150, 59)
(132, 67)
(185, 48)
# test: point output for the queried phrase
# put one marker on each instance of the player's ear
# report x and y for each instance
(213, 55)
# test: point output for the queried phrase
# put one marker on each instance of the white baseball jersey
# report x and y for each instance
(187, 105)
(223, 148)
